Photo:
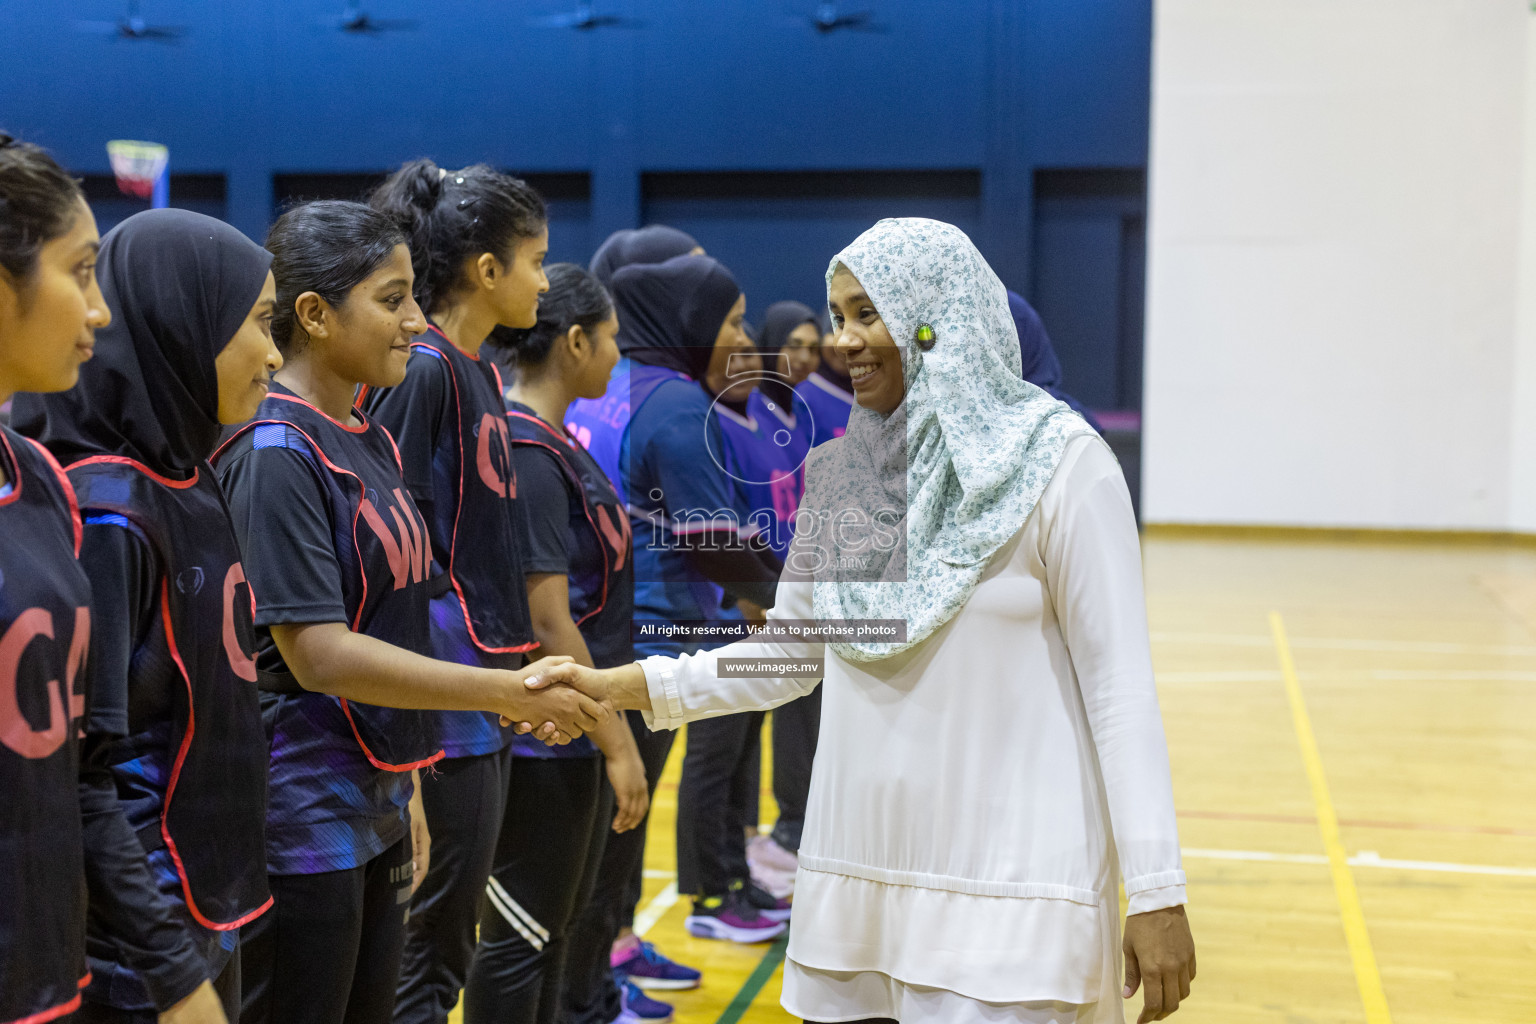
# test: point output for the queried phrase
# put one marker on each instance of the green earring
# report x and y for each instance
(924, 334)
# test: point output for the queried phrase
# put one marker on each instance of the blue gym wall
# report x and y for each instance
(774, 144)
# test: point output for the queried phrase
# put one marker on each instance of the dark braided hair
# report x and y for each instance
(574, 299)
(38, 202)
(327, 247)
(455, 216)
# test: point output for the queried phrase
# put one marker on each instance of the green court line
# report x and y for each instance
(755, 982)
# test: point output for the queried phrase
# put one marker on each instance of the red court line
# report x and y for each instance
(1410, 826)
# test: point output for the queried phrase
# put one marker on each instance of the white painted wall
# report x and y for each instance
(1342, 218)
(1522, 448)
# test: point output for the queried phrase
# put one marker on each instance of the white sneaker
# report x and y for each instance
(773, 867)
(767, 850)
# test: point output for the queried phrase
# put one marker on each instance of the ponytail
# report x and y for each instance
(452, 216)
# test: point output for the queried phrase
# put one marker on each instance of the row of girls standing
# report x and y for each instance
(375, 649)
(193, 908)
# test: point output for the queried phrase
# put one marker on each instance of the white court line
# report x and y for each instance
(1254, 855)
(1452, 675)
(1363, 859)
(1219, 677)
(1409, 646)
(655, 910)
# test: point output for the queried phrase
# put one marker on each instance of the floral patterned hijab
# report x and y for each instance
(947, 479)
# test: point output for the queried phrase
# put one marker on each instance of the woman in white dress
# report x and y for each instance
(984, 783)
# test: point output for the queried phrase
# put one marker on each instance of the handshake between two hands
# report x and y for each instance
(569, 699)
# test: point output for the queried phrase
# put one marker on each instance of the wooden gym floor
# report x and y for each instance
(1352, 726)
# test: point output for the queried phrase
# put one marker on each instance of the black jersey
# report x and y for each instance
(194, 757)
(380, 544)
(45, 630)
(449, 418)
(328, 534)
(579, 527)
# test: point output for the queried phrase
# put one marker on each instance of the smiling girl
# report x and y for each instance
(50, 309)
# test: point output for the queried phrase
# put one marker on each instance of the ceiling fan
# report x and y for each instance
(131, 26)
(829, 17)
(355, 20)
(584, 18)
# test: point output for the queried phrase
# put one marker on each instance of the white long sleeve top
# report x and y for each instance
(976, 799)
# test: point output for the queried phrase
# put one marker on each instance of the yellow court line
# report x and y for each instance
(1367, 977)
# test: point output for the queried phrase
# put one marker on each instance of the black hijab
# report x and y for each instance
(672, 311)
(654, 244)
(779, 322)
(1041, 366)
(738, 405)
(179, 285)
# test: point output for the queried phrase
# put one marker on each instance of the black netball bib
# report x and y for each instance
(45, 629)
(602, 589)
(381, 545)
(479, 550)
(200, 652)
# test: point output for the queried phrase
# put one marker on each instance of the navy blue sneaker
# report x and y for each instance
(648, 969)
(642, 1005)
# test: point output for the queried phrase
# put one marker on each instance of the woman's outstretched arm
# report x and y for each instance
(674, 691)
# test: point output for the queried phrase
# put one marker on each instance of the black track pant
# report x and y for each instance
(328, 952)
(720, 774)
(591, 997)
(226, 985)
(655, 747)
(546, 857)
(464, 799)
(795, 728)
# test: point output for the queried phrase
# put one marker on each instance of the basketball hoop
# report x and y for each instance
(138, 166)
